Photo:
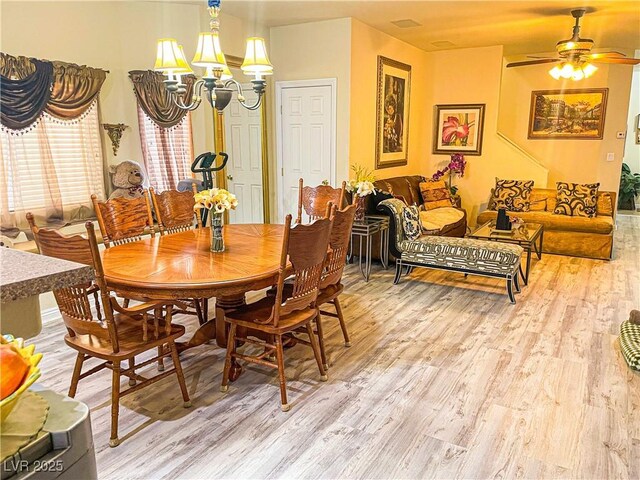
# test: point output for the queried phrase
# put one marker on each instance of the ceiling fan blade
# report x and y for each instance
(533, 62)
(594, 56)
(534, 56)
(622, 61)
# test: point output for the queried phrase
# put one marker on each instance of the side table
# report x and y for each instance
(365, 231)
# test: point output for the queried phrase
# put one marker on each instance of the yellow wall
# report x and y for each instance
(366, 44)
(119, 37)
(631, 148)
(579, 161)
(318, 50)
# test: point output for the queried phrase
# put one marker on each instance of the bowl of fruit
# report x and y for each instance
(18, 370)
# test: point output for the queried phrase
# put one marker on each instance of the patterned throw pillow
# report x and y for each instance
(435, 195)
(411, 224)
(576, 200)
(512, 195)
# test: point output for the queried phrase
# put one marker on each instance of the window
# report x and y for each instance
(52, 169)
(167, 152)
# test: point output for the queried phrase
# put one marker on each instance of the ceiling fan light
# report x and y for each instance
(555, 72)
(566, 71)
(578, 74)
(589, 69)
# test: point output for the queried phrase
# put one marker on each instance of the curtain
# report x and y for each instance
(167, 152)
(22, 100)
(51, 170)
(154, 99)
(74, 89)
(30, 86)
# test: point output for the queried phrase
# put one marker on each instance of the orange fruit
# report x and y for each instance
(13, 370)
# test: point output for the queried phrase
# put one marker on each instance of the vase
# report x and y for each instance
(217, 240)
(361, 207)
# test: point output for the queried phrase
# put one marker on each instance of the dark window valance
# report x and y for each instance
(154, 98)
(30, 86)
(23, 100)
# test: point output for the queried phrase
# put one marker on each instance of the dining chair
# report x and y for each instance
(174, 210)
(304, 248)
(174, 213)
(123, 220)
(125, 331)
(314, 200)
(331, 282)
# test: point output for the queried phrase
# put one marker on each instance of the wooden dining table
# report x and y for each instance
(181, 265)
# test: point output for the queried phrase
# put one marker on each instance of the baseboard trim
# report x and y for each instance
(50, 315)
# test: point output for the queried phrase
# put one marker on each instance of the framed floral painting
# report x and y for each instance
(392, 117)
(459, 129)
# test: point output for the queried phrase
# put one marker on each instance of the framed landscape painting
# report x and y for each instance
(458, 128)
(569, 114)
(392, 116)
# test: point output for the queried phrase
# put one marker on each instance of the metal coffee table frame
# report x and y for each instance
(365, 231)
(533, 242)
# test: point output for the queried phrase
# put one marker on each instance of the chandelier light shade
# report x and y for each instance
(217, 79)
(209, 53)
(256, 61)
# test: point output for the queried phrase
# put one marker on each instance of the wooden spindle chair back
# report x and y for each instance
(314, 200)
(123, 220)
(74, 302)
(338, 245)
(305, 248)
(174, 210)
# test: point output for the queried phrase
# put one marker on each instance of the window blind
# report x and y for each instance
(55, 164)
(167, 152)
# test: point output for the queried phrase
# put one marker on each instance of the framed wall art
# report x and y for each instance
(392, 116)
(568, 114)
(458, 129)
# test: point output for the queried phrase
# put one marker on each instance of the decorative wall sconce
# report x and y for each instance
(115, 131)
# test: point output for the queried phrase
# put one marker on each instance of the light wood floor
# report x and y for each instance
(445, 379)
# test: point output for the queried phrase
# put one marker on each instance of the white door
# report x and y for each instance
(307, 139)
(243, 141)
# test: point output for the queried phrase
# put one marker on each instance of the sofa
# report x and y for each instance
(446, 221)
(565, 235)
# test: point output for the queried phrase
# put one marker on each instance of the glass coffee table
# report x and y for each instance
(527, 235)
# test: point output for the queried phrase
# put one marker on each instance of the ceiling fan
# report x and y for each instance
(574, 55)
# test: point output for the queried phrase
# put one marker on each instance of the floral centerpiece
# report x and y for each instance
(217, 201)
(455, 167)
(360, 187)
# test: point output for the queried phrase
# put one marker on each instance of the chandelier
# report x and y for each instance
(217, 79)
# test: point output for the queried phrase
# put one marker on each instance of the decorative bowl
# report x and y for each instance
(7, 404)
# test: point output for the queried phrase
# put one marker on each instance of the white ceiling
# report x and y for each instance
(521, 26)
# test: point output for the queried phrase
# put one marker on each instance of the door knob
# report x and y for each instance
(230, 177)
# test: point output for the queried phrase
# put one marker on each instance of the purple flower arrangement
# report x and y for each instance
(456, 167)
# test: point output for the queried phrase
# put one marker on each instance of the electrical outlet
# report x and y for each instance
(611, 157)
(620, 135)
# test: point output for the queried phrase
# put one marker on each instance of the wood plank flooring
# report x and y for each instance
(445, 379)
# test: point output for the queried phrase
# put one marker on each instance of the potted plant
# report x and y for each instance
(629, 189)
(217, 201)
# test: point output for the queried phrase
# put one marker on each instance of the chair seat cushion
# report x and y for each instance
(436, 220)
(630, 343)
(130, 338)
(598, 224)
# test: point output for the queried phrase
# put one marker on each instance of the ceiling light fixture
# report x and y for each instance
(217, 80)
(573, 70)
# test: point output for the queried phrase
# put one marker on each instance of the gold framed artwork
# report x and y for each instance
(458, 129)
(392, 117)
(576, 114)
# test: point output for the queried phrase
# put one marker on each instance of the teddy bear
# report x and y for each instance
(127, 178)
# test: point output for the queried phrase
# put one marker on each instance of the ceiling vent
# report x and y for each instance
(443, 44)
(406, 23)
